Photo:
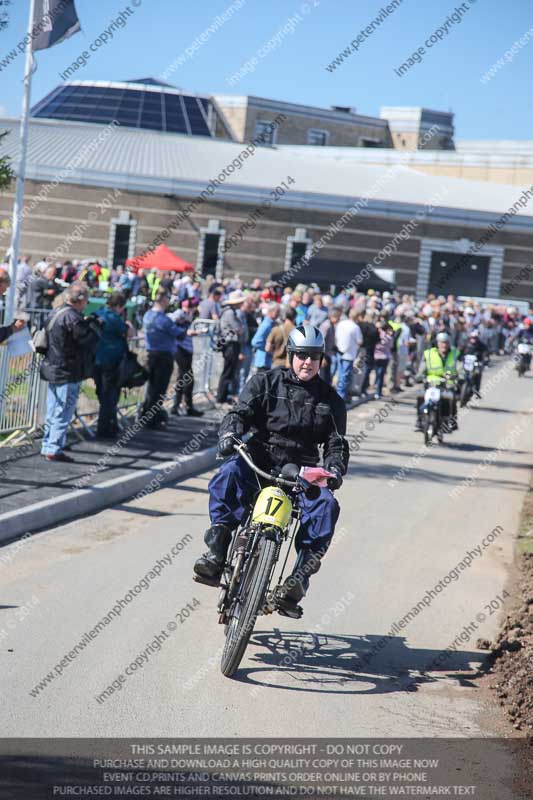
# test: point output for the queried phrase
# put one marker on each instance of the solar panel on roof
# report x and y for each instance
(133, 107)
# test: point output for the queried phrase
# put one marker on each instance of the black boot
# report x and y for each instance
(208, 568)
(176, 405)
(295, 586)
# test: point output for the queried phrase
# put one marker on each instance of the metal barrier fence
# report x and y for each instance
(23, 393)
(207, 366)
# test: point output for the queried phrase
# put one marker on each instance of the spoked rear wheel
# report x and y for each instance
(465, 394)
(246, 609)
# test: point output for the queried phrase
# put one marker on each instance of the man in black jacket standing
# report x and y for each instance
(294, 412)
(72, 341)
(43, 290)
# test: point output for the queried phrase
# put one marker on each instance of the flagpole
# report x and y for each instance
(21, 171)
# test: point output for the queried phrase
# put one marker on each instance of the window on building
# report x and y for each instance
(298, 247)
(365, 142)
(299, 250)
(317, 138)
(210, 259)
(265, 132)
(122, 238)
(121, 247)
(210, 256)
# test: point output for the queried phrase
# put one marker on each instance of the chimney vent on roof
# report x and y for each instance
(344, 109)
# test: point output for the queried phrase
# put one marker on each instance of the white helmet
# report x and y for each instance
(305, 339)
(443, 337)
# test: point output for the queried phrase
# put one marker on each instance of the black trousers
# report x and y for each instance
(160, 366)
(108, 392)
(325, 368)
(231, 363)
(185, 381)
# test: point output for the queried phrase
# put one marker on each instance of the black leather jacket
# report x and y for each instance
(72, 343)
(477, 349)
(292, 419)
(5, 332)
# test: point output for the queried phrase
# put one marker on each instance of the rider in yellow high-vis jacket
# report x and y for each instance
(436, 363)
(439, 360)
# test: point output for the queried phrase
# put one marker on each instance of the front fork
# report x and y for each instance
(242, 549)
(271, 604)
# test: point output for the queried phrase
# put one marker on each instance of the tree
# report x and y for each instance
(6, 173)
(4, 16)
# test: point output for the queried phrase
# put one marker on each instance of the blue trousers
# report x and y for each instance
(233, 488)
(60, 407)
(344, 378)
(380, 365)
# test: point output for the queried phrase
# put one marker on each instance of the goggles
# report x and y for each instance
(314, 355)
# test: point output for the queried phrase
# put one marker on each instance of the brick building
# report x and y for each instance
(200, 192)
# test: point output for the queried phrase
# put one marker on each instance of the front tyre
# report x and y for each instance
(246, 609)
(465, 394)
(430, 427)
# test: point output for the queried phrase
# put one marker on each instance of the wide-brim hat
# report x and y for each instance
(235, 298)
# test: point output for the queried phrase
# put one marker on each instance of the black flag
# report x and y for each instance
(54, 21)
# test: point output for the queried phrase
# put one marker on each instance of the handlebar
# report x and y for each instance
(241, 449)
(435, 380)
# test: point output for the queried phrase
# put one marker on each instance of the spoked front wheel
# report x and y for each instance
(247, 605)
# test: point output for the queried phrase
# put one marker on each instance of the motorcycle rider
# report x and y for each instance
(475, 347)
(525, 336)
(292, 412)
(437, 361)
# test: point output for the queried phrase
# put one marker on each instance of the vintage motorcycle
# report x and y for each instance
(472, 369)
(523, 362)
(247, 585)
(438, 399)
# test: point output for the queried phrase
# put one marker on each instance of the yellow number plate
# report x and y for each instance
(273, 507)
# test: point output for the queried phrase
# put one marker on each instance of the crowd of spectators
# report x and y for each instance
(377, 335)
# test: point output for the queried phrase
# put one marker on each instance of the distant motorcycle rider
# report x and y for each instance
(475, 347)
(525, 336)
(292, 412)
(437, 361)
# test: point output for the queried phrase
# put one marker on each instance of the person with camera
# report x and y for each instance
(72, 340)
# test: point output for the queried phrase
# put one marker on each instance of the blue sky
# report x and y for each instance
(448, 78)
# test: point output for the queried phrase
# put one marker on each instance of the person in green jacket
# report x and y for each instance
(395, 377)
(438, 361)
(104, 282)
(153, 282)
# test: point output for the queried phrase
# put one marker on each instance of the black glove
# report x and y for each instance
(336, 482)
(225, 445)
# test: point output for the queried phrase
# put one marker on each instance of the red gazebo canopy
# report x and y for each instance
(161, 258)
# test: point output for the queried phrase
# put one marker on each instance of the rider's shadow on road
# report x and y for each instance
(337, 664)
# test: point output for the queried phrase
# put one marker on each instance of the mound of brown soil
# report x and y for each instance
(512, 667)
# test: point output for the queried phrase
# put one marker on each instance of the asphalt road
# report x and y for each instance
(339, 671)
